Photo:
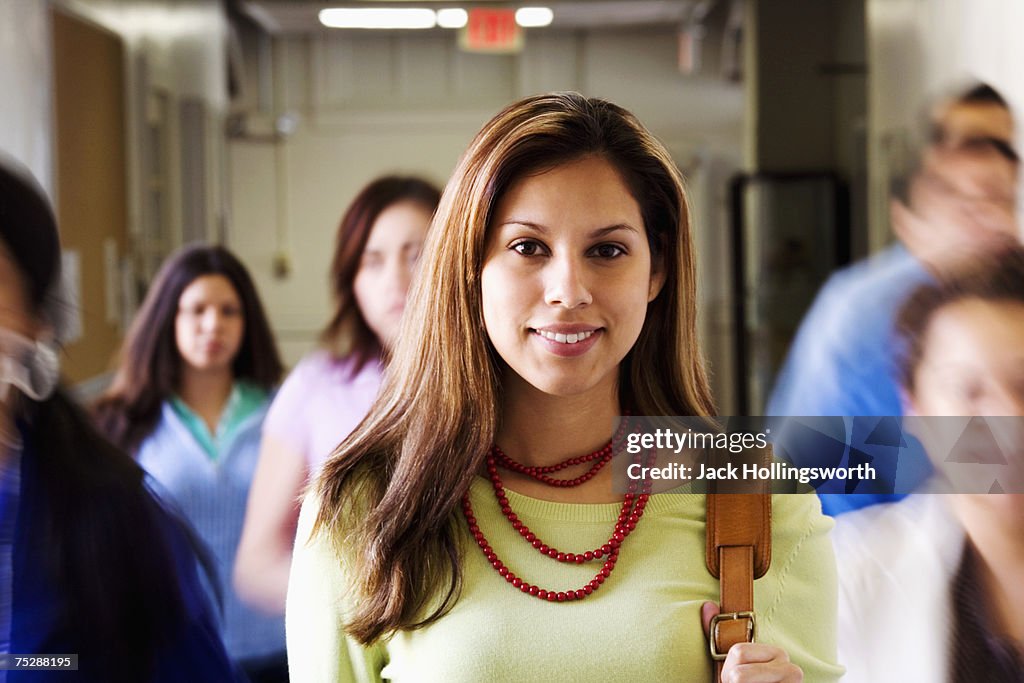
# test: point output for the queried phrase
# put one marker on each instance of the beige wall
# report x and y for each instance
(182, 42)
(91, 198)
(175, 53)
(919, 49)
(807, 80)
(174, 47)
(368, 104)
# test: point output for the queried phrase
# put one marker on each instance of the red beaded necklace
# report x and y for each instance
(632, 510)
(602, 456)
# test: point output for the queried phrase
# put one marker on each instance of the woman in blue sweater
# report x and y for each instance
(91, 563)
(194, 382)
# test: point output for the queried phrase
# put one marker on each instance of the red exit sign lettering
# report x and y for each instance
(492, 30)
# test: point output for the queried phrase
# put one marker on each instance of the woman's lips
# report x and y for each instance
(567, 341)
(213, 347)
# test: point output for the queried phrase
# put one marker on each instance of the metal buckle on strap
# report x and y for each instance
(729, 616)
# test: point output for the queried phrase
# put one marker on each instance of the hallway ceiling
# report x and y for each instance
(300, 16)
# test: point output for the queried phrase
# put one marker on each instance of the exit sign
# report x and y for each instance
(491, 30)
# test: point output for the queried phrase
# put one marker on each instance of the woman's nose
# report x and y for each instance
(567, 283)
(398, 275)
(211, 319)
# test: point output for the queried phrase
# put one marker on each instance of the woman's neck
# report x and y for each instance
(206, 393)
(1000, 553)
(1004, 594)
(539, 429)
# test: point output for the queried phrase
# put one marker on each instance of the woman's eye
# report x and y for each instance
(230, 311)
(608, 251)
(971, 392)
(1017, 387)
(526, 248)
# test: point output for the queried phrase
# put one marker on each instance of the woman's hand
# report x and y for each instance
(753, 662)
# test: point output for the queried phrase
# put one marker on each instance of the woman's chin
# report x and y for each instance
(1004, 510)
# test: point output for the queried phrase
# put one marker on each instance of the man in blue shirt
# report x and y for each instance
(843, 359)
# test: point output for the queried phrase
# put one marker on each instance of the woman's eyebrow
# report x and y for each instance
(537, 227)
(600, 232)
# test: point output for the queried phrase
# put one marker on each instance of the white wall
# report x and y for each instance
(25, 118)
(372, 104)
(177, 49)
(180, 42)
(183, 40)
(919, 49)
(175, 46)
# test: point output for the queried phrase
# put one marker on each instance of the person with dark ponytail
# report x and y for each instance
(91, 561)
(196, 375)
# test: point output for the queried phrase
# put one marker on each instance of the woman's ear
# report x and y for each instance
(657, 278)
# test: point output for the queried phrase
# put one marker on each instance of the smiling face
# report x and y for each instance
(567, 277)
(210, 324)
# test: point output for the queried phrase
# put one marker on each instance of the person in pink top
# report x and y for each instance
(330, 391)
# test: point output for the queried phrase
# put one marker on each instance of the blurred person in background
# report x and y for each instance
(193, 385)
(961, 202)
(932, 587)
(91, 562)
(329, 392)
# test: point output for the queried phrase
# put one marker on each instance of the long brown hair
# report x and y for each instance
(149, 370)
(389, 495)
(347, 334)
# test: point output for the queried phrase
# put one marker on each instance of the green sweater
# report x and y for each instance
(643, 624)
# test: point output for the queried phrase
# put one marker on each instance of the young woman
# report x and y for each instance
(196, 373)
(931, 586)
(329, 392)
(557, 291)
(90, 562)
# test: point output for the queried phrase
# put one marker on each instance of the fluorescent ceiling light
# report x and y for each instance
(533, 17)
(378, 17)
(452, 17)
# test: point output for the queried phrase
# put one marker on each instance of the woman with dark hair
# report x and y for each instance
(557, 292)
(90, 561)
(329, 392)
(196, 373)
(932, 587)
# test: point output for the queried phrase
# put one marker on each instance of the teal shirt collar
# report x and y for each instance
(245, 399)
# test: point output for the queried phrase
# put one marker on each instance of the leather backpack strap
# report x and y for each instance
(739, 550)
